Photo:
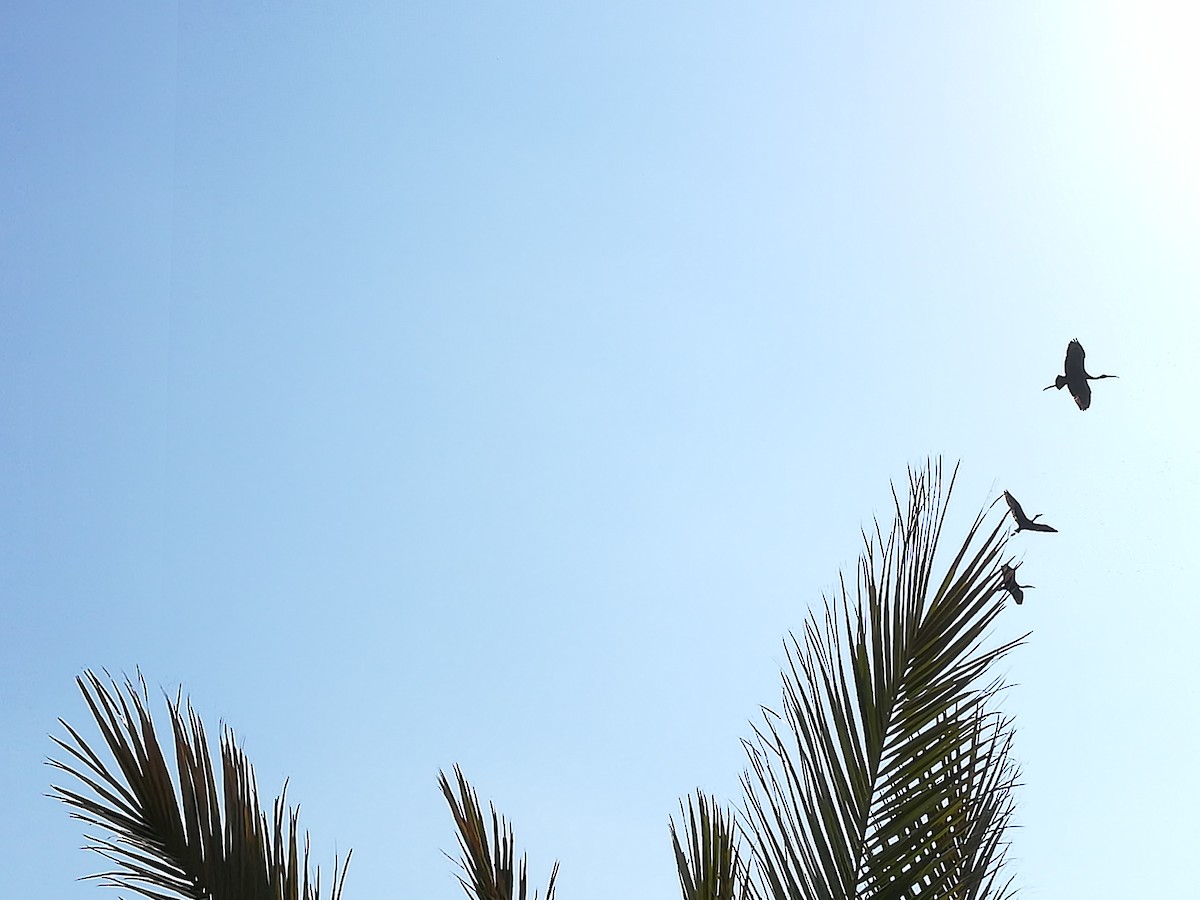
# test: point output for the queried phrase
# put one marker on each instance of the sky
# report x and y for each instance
(498, 384)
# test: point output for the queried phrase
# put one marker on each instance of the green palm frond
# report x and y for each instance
(888, 773)
(486, 877)
(711, 866)
(196, 842)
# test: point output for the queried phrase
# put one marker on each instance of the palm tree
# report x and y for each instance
(168, 841)
(709, 858)
(886, 772)
(488, 870)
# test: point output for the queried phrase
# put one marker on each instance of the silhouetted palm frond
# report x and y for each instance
(711, 866)
(487, 877)
(888, 774)
(197, 842)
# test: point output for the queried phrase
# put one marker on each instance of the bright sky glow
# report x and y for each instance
(1155, 76)
(498, 384)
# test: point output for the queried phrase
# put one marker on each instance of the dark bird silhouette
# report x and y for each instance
(1008, 581)
(1024, 523)
(1075, 378)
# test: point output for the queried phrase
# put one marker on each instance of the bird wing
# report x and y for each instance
(1040, 526)
(1082, 392)
(1074, 361)
(1018, 513)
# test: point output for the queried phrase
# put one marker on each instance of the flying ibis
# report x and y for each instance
(1075, 378)
(1024, 523)
(1008, 581)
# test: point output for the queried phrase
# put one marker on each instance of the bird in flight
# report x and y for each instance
(1024, 523)
(1075, 378)
(1008, 581)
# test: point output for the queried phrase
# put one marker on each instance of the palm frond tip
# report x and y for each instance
(182, 836)
(708, 856)
(487, 864)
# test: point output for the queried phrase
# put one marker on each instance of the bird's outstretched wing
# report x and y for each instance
(1039, 526)
(1081, 391)
(1075, 356)
(1015, 507)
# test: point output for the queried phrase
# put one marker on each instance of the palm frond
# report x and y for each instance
(711, 866)
(487, 876)
(191, 843)
(888, 773)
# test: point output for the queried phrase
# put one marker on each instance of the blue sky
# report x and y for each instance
(434, 383)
